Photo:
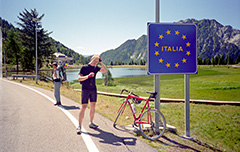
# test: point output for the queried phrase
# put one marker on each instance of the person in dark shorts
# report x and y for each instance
(86, 77)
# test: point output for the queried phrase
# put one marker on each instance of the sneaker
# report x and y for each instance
(57, 104)
(79, 130)
(93, 126)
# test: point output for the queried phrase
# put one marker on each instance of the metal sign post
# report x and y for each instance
(157, 76)
(187, 105)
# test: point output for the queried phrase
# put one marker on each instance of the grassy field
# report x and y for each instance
(211, 83)
(213, 127)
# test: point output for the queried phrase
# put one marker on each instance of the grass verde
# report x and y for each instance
(216, 127)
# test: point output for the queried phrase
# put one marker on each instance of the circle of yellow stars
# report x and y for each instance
(184, 37)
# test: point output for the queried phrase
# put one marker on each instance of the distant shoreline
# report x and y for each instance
(110, 66)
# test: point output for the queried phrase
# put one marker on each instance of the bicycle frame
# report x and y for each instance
(149, 127)
(136, 119)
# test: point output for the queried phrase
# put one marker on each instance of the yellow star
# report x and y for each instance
(168, 65)
(156, 44)
(160, 60)
(188, 53)
(177, 65)
(168, 32)
(176, 32)
(184, 60)
(188, 44)
(184, 37)
(161, 37)
(156, 53)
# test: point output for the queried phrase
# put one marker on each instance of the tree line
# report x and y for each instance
(131, 62)
(218, 60)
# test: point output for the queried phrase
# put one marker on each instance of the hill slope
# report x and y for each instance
(131, 49)
(56, 45)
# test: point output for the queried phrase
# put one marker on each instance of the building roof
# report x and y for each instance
(62, 57)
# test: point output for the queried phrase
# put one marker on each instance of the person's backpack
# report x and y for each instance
(64, 75)
(62, 72)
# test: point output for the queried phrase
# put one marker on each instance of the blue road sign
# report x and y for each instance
(172, 48)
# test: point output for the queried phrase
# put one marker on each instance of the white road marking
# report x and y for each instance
(87, 139)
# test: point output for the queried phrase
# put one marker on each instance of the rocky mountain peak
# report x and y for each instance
(212, 39)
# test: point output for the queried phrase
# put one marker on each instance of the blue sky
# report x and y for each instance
(94, 26)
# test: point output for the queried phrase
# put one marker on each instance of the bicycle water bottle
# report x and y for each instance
(133, 107)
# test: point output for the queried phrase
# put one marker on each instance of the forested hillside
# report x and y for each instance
(56, 46)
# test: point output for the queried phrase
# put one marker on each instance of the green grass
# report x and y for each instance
(211, 83)
(213, 127)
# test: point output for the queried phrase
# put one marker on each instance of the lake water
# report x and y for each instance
(72, 74)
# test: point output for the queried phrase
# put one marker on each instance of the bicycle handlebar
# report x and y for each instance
(153, 94)
(128, 92)
(125, 90)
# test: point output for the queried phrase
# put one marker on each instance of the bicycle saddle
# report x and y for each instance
(153, 94)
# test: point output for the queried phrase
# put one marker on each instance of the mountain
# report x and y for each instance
(131, 49)
(56, 45)
(213, 39)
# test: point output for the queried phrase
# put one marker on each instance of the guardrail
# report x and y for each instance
(45, 77)
(23, 76)
(166, 100)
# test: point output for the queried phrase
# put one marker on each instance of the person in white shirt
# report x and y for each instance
(57, 83)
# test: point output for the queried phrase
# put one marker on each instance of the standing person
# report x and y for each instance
(57, 83)
(87, 77)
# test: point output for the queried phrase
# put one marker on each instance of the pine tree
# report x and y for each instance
(14, 47)
(215, 59)
(199, 61)
(28, 26)
(221, 60)
(238, 59)
(230, 60)
(107, 78)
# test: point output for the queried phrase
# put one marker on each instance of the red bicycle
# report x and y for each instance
(151, 122)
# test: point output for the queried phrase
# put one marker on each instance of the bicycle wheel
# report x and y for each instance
(150, 130)
(119, 113)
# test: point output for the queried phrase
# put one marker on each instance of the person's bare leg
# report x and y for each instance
(81, 113)
(92, 110)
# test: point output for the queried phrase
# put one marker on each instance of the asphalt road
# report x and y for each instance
(29, 122)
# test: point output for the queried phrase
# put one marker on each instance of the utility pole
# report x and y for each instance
(1, 45)
(36, 70)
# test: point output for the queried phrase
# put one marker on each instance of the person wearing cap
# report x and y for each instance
(57, 83)
(59, 64)
(86, 77)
